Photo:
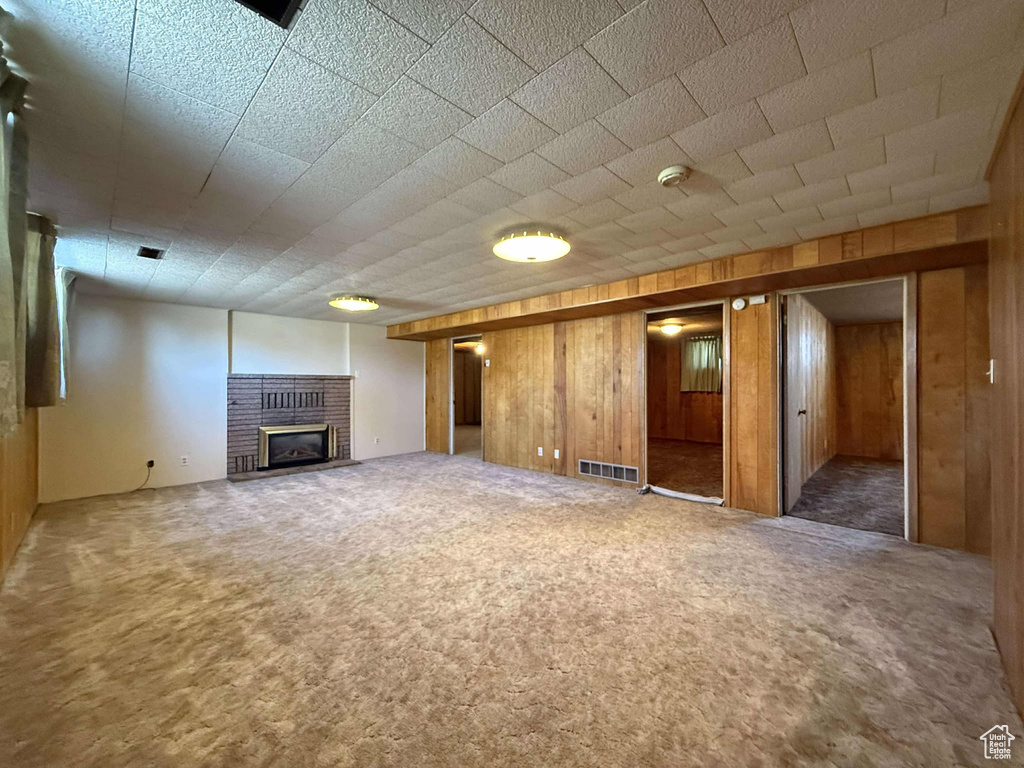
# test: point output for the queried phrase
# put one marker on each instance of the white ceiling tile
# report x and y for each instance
(457, 161)
(764, 184)
(544, 206)
(584, 147)
(694, 225)
(713, 174)
(749, 67)
(854, 204)
(470, 68)
(725, 249)
(530, 173)
(829, 227)
(949, 132)
(832, 30)
(319, 104)
(773, 239)
(411, 111)
(569, 92)
(643, 165)
(976, 195)
(820, 93)
(654, 40)
(506, 131)
(737, 127)
(155, 115)
(813, 194)
(801, 143)
(485, 196)
(596, 213)
(541, 32)
(887, 114)
(756, 209)
(593, 185)
(653, 113)
(848, 159)
(933, 186)
(428, 20)
(891, 174)
(648, 195)
(800, 217)
(213, 52)
(979, 83)
(898, 212)
(953, 42)
(701, 204)
(737, 18)
(685, 244)
(653, 218)
(357, 41)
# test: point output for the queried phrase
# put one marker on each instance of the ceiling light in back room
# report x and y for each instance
(354, 303)
(531, 246)
(671, 329)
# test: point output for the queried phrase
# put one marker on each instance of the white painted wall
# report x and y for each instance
(388, 394)
(288, 345)
(147, 381)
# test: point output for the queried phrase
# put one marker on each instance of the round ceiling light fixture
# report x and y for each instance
(671, 329)
(354, 303)
(674, 175)
(531, 246)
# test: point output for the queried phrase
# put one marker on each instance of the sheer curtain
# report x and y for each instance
(702, 364)
(42, 347)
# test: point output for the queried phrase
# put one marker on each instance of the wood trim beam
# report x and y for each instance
(944, 240)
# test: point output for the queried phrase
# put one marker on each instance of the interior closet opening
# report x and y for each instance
(467, 401)
(843, 403)
(685, 402)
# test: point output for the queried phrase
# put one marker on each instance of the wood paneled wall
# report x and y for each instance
(673, 414)
(438, 395)
(869, 390)
(1006, 285)
(574, 386)
(466, 381)
(953, 409)
(19, 480)
(753, 419)
(810, 417)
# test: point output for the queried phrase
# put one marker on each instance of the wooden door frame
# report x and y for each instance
(451, 391)
(910, 454)
(726, 385)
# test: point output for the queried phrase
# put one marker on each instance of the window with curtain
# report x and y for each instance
(702, 364)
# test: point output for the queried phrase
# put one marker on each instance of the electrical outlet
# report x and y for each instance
(184, 460)
(150, 463)
(556, 453)
(540, 451)
(376, 440)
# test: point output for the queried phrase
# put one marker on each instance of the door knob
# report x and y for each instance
(801, 412)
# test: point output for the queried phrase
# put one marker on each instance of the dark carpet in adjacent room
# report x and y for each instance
(853, 492)
(684, 465)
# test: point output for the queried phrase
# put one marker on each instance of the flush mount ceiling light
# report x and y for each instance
(531, 246)
(671, 329)
(353, 303)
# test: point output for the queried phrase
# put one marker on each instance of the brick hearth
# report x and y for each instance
(256, 400)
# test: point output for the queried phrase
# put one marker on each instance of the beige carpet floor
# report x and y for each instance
(429, 610)
(468, 440)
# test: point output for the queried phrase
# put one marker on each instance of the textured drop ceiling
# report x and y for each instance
(380, 148)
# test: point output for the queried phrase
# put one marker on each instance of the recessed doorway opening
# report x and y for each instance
(466, 438)
(844, 440)
(686, 394)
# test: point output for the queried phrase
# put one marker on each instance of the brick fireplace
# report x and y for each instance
(258, 400)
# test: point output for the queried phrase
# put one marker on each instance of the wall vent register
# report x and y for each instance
(609, 471)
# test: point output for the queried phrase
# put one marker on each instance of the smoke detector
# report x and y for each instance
(674, 175)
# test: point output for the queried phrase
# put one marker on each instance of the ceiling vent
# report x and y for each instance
(150, 253)
(281, 12)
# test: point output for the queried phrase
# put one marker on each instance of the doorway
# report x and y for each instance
(686, 392)
(467, 376)
(843, 400)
